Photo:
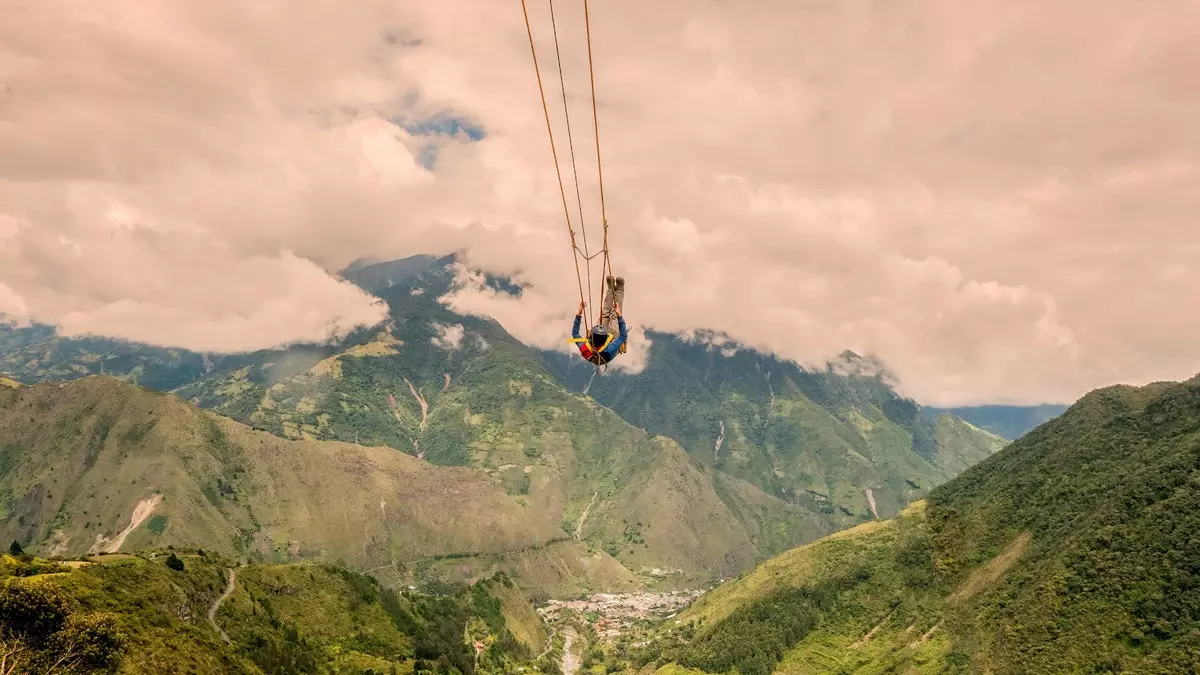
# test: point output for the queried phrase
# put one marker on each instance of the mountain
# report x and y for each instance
(839, 441)
(1006, 421)
(99, 465)
(1074, 549)
(194, 612)
(804, 455)
(37, 353)
(96, 464)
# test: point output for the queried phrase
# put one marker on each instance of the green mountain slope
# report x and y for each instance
(1072, 550)
(38, 354)
(1007, 421)
(83, 463)
(841, 441)
(803, 455)
(458, 390)
(305, 618)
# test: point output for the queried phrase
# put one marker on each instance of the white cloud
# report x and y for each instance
(448, 337)
(994, 198)
(12, 305)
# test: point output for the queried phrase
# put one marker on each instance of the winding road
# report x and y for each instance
(212, 611)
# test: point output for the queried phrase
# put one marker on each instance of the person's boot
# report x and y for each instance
(620, 282)
(611, 281)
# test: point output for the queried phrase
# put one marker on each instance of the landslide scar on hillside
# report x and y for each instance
(985, 576)
(140, 513)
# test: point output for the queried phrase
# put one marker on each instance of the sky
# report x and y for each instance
(992, 198)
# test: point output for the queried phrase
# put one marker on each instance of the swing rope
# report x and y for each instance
(596, 127)
(606, 262)
(571, 143)
(550, 132)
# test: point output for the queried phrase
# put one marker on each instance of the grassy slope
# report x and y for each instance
(486, 401)
(318, 618)
(558, 570)
(816, 439)
(76, 459)
(975, 443)
(82, 456)
(1073, 550)
(459, 390)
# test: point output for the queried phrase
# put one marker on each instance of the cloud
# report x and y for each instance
(12, 305)
(995, 199)
(448, 337)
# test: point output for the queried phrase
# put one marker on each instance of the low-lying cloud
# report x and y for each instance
(994, 198)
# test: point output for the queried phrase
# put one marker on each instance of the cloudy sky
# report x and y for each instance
(993, 197)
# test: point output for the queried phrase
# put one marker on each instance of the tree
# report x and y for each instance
(41, 631)
(175, 563)
(15, 548)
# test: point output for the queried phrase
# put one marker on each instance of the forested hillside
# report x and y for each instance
(1072, 550)
(839, 440)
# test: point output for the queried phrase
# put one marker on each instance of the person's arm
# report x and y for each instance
(622, 333)
(583, 346)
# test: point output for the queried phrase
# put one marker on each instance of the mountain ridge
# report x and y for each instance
(460, 391)
(1071, 550)
(95, 461)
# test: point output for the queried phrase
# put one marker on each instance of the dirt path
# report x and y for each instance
(987, 575)
(212, 611)
(925, 638)
(549, 643)
(570, 660)
(871, 633)
(583, 516)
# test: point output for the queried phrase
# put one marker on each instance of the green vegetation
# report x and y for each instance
(1007, 421)
(804, 454)
(90, 465)
(838, 442)
(87, 459)
(42, 630)
(143, 614)
(1072, 550)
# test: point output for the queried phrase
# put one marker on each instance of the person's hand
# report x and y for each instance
(581, 306)
(617, 309)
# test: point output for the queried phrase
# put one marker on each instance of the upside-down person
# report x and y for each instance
(601, 347)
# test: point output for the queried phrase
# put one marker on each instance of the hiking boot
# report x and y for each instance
(620, 282)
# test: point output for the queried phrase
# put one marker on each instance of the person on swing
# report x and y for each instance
(601, 346)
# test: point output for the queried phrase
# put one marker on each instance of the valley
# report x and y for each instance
(435, 452)
(544, 483)
(1071, 550)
